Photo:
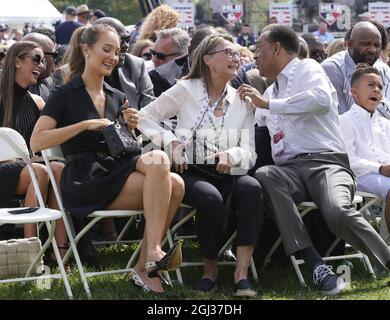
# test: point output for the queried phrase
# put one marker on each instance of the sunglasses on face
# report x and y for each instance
(147, 56)
(161, 55)
(318, 54)
(37, 60)
(53, 54)
(229, 52)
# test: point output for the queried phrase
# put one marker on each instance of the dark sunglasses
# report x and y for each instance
(37, 60)
(147, 56)
(53, 54)
(318, 54)
(160, 55)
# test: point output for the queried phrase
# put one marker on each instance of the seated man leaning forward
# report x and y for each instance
(300, 111)
(367, 136)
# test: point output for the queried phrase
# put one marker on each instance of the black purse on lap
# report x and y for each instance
(120, 140)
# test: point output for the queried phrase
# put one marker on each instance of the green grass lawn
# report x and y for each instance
(277, 281)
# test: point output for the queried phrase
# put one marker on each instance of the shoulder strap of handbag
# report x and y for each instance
(205, 110)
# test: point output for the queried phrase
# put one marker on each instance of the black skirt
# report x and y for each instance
(91, 184)
(9, 180)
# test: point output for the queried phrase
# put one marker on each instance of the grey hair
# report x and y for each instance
(180, 38)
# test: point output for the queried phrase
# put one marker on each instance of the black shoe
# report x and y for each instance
(204, 285)
(326, 281)
(244, 289)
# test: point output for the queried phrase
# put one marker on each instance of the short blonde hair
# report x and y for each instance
(245, 52)
(162, 17)
(335, 46)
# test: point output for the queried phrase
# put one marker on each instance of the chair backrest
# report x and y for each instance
(12, 145)
(54, 153)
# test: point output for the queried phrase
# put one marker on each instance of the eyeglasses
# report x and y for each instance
(37, 60)
(161, 55)
(147, 56)
(318, 54)
(229, 52)
(53, 54)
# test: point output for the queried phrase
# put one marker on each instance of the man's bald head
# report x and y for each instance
(115, 23)
(364, 28)
(365, 43)
(47, 46)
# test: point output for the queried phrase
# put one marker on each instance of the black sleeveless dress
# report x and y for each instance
(25, 114)
(88, 183)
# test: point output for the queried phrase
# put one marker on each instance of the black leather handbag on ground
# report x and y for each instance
(120, 140)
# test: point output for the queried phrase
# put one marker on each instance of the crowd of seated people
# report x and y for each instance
(253, 129)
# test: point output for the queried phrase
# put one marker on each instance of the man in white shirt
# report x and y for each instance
(300, 111)
(367, 136)
(364, 47)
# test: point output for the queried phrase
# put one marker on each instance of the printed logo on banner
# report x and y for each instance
(335, 12)
(330, 12)
(232, 12)
(282, 12)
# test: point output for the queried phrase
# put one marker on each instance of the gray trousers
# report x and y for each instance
(325, 179)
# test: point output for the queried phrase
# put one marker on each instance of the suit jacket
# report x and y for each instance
(135, 82)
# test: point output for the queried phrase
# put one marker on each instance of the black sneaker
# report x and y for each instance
(243, 289)
(326, 281)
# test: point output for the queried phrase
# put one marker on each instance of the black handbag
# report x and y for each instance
(120, 140)
(205, 169)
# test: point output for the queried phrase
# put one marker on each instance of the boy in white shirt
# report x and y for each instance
(367, 136)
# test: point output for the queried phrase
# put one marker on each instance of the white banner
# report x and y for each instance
(380, 12)
(281, 13)
(186, 14)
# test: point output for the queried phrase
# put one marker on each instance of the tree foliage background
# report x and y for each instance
(125, 10)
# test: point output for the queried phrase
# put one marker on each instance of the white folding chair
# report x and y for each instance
(171, 231)
(12, 145)
(370, 200)
(304, 208)
(56, 154)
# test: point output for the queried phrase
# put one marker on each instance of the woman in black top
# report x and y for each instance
(92, 180)
(20, 110)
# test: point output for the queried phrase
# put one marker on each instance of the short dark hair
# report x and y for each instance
(362, 71)
(47, 32)
(286, 36)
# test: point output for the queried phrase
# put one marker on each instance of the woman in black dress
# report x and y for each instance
(20, 110)
(93, 180)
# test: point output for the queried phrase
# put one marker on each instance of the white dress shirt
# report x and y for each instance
(306, 112)
(186, 100)
(340, 68)
(367, 140)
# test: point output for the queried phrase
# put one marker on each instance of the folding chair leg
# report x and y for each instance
(253, 269)
(369, 266)
(60, 264)
(134, 256)
(51, 228)
(125, 228)
(298, 271)
(76, 256)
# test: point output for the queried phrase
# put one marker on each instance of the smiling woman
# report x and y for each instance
(20, 110)
(93, 179)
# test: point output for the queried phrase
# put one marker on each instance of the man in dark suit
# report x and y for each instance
(130, 75)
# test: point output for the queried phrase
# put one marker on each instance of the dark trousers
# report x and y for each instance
(325, 179)
(209, 195)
